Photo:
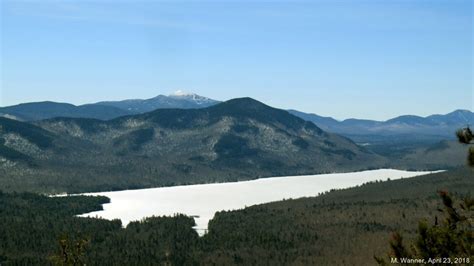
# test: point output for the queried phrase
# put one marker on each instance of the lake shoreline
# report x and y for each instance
(202, 201)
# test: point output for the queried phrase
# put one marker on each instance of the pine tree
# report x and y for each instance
(71, 252)
(452, 238)
(465, 136)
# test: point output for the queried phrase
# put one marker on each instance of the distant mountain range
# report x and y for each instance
(434, 127)
(179, 99)
(234, 140)
(45, 110)
(104, 110)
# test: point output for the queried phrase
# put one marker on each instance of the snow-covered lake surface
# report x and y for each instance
(203, 201)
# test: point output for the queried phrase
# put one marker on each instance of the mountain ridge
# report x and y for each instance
(178, 99)
(433, 125)
(104, 110)
(48, 109)
(240, 139)
(184, 100)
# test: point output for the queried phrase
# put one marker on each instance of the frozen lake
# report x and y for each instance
(203, 201)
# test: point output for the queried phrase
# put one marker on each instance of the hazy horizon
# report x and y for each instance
(345, 59)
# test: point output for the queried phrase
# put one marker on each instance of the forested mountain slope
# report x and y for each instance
(235, 140)
(45, 110)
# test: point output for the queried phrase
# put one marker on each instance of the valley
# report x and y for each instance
(224, 184)
(238, 182)
(216, 133)
(340, 227)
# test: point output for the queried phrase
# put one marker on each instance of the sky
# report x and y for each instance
(363, 59)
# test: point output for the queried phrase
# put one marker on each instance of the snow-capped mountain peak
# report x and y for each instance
(180, 93)
(197, 99)
(179, 99)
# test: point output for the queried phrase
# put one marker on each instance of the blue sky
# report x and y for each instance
(363, 59)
